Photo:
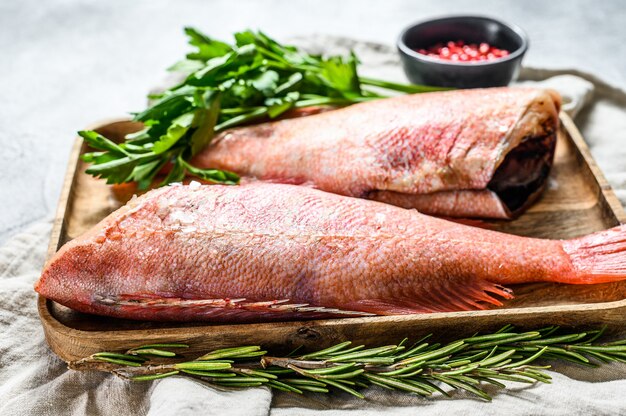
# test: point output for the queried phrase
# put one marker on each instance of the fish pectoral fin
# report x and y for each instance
(220, 309)
(448, 296)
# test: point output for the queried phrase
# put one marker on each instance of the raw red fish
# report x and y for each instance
(270, 251)
(468, 153)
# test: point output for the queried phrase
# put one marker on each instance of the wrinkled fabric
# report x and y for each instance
(33, 381)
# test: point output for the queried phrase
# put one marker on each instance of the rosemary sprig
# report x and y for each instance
(423, 369)
(226, 85)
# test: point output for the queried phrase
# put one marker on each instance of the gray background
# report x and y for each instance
(66, 64)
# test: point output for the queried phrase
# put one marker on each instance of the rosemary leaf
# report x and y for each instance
(154, 351)
(461, 370)
(429, 356)
(363, 354)
(341, 376)
(214, 374)
(202, 365)
(331, 370)
(598, 348)
(496, 359)
(345, 388)
(125, 357)
(398, 384)
(314, 389)
(413, 351)
(119, 361)
(576, 357)
(463, 386)
(285, 387)
(512, 377)
(258, 373)
(556, 340)
(150, 377)
(327, 351)
(229, 353)
(527, 360)
(304, 382)
(404, 370)
(507, 340)
(350, 350)
(492, 381)
(427, 385)
(596, 335)
(243, 380)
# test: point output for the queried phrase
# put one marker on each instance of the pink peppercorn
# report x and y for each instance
(459, 51)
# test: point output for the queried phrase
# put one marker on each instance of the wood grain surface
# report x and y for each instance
(577, 201)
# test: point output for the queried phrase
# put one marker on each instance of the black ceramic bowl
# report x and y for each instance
(426, 70)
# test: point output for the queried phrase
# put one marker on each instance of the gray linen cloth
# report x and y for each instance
(33, 381)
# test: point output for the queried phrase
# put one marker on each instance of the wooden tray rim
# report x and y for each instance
(43, 304)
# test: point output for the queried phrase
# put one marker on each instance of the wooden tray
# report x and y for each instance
(577, 201)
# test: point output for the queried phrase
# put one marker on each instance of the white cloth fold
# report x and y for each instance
(34, 381)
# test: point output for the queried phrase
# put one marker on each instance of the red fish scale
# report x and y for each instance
(271, 242)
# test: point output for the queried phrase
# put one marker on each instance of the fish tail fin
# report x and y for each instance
(599, 257)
